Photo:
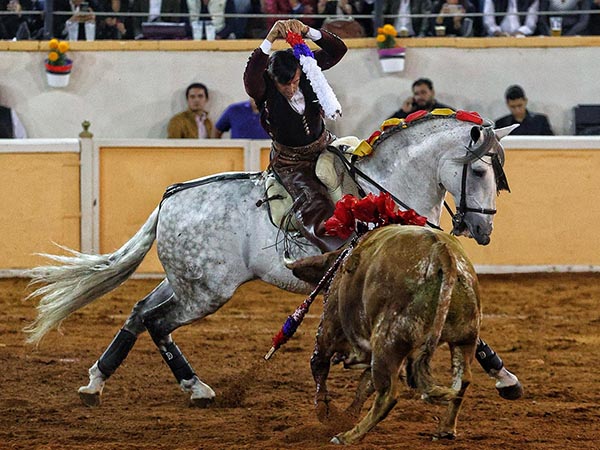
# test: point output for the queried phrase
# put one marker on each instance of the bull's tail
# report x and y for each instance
(443, 266)
(81, 278)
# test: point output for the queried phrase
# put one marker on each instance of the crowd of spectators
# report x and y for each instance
(123, 19)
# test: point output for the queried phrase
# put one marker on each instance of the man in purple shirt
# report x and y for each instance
(243, 120)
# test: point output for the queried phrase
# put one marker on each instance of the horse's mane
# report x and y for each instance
(421, 117)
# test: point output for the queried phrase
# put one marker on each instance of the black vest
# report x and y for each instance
(284, 124)
(6, 125)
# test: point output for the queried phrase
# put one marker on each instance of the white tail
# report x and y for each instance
(80, 279)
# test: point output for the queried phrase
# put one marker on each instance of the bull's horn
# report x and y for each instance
(503, 132)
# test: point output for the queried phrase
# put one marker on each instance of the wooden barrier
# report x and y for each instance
(94, 194)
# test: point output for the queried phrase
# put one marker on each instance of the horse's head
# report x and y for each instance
(474, 179)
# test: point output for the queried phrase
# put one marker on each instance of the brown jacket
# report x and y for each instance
(183, 126)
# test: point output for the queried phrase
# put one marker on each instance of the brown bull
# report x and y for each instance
(402, 291)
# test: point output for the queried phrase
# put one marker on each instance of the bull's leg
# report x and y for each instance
(119, 348)
(364, 390)
(384, 371)
(462, 356)
(507, 383)
(160, 321)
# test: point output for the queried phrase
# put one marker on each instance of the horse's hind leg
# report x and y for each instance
(122, 343)
(462, 356)
(160, 321)
(508, 385)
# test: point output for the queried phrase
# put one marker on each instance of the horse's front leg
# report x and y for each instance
(508, 385)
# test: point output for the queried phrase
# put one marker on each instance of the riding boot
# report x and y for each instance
(507, 384)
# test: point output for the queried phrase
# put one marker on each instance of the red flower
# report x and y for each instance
(365, 209)
(342, 222)
(294, 39)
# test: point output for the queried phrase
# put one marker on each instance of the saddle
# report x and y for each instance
(330, 170)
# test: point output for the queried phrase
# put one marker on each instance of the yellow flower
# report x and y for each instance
(381, 38)
(53, 44)
(63, 47)
(380, 30)
(52, 56)
(389, 29)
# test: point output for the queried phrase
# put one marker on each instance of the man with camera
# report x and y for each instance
(73, 28)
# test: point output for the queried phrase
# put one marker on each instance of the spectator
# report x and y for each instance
(572, 24)
(194, 122)
(409, 26)
(224, 26)
(530, 123)
(509, 23)
(10, 125)
(594, 24)
(18, 25)
(114, 27)
(157, 12)
(456, 24)
(423, 98)
(243, 119)
(288, 8)
(82, 12)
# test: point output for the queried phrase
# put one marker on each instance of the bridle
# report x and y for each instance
(458, 217)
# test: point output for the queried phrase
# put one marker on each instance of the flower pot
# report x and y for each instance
(58, 76)
(58, 80)
(391, 59)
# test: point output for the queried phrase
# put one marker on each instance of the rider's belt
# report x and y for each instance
(308, 152)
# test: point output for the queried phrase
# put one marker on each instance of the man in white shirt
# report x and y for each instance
(519, 18)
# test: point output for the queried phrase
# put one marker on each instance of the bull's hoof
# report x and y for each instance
(443, 435)
(201, 402)
(90, 399)
(513, 392)
(336, 440)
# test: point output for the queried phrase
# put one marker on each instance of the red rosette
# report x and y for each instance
(365, 209)
(342, 222)
(294, 39)
(416, 115)
(469, 116)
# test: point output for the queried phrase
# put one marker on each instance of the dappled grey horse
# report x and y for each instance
(212, 237)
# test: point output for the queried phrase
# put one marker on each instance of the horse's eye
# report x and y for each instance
(479, 173)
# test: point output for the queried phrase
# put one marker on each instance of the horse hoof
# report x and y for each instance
(201, 402)
(90, 400)
(444, 435)
(513, 392)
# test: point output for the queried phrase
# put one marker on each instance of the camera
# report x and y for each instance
(84, 7)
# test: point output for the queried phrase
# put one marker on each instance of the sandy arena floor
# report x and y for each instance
(546, 327)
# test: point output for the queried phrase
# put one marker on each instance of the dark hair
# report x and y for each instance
(514, 92)
(425, 81)
(282, 66)
(196, 86)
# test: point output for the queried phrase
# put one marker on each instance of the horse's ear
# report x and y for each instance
(503, 132)
(475, 133)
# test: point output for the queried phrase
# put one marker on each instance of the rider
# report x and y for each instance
(292, 114)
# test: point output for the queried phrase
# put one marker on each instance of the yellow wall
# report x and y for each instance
(39, 203)
(552, 215)
(550, 218)
(133, 180)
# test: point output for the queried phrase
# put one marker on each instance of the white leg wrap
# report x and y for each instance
(199, 390)
(504, 378)
(97, 381)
